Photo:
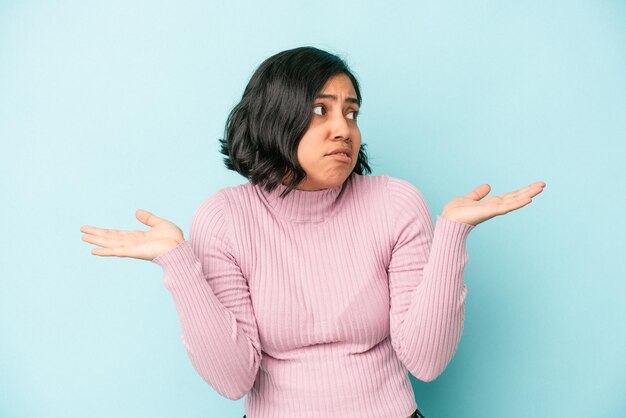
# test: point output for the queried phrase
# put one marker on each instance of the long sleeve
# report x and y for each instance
(213, 302)
(427, 291)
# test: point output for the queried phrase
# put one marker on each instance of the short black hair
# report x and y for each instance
(264, 129)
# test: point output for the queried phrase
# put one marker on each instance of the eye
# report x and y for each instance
(354, 114)
(321, 111)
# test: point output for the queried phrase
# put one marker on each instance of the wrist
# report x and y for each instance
(453, 219)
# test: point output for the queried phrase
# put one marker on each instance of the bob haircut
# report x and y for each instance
(264, 129)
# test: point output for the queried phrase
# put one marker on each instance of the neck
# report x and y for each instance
(305, 187)
(302, 205)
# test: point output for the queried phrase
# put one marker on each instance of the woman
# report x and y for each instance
(313, 288)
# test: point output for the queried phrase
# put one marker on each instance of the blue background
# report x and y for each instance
(108, 107)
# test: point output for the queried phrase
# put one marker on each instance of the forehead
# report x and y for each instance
(339, 83)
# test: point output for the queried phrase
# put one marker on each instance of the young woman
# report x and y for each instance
(313, 288)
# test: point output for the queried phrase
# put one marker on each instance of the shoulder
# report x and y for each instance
(220, 201)
(403, 191)
(407, 199)
(211, 225)
(211, 206)
(394, 189)
(398, 196)
(383, 182)
(407, 203)
(365, 185)
(218, 211)
(397, 191)
(213, 214)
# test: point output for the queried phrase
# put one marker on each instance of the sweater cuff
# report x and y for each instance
(179, 253)
(453, 228)
(451, 237)
(180, 266)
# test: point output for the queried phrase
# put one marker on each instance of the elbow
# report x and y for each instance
(234, 395)
(231, 381)
(428, 376)
(422, 368)
(233, 376)
(429, 371)
(231, 390)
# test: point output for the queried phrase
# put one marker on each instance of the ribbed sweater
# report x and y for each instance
(317, 305)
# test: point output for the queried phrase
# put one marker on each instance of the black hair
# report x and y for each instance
(264, 129)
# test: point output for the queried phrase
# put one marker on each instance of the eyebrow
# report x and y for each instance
(333, 97)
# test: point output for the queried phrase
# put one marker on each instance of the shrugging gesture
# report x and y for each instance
(146, 245)
(470, 209)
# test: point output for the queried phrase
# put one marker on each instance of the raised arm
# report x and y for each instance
(426, 270)
(213, 302)
(425, 282)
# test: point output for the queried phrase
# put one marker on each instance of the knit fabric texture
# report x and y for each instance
(319, 304)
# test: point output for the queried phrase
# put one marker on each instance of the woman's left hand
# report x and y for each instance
(471, 210)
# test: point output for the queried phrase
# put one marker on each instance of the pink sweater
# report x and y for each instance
(316, 305)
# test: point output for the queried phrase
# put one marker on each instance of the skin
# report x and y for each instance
(333, 126)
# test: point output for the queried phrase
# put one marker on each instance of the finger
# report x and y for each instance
(514, 196)
(479, 192)
(100, 240)
(512, 204)
(107, 252)
(147, 218)
(530, 190)
(111, 233)
(534, 192)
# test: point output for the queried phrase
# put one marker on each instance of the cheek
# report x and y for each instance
(357, 148)
(305, 154)
(309, 148)
(356, 142)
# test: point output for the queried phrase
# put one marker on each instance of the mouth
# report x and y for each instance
(341, 156)
(342, 150)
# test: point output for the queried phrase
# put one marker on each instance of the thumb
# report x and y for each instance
(147, 218)
(479, 192)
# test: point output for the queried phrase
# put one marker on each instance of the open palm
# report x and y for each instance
(472, 210)
(146, 245)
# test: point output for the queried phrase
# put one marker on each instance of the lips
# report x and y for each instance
(346, 151)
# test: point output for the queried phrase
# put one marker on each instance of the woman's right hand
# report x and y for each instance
(146, 245)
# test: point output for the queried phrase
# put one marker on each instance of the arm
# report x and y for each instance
(426, 283)
(213, 302)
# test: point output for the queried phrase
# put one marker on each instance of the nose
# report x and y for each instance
(339, 127)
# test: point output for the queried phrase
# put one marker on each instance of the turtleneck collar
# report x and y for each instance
(304, 206)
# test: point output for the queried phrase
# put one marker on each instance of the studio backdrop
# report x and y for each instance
(109, 107)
